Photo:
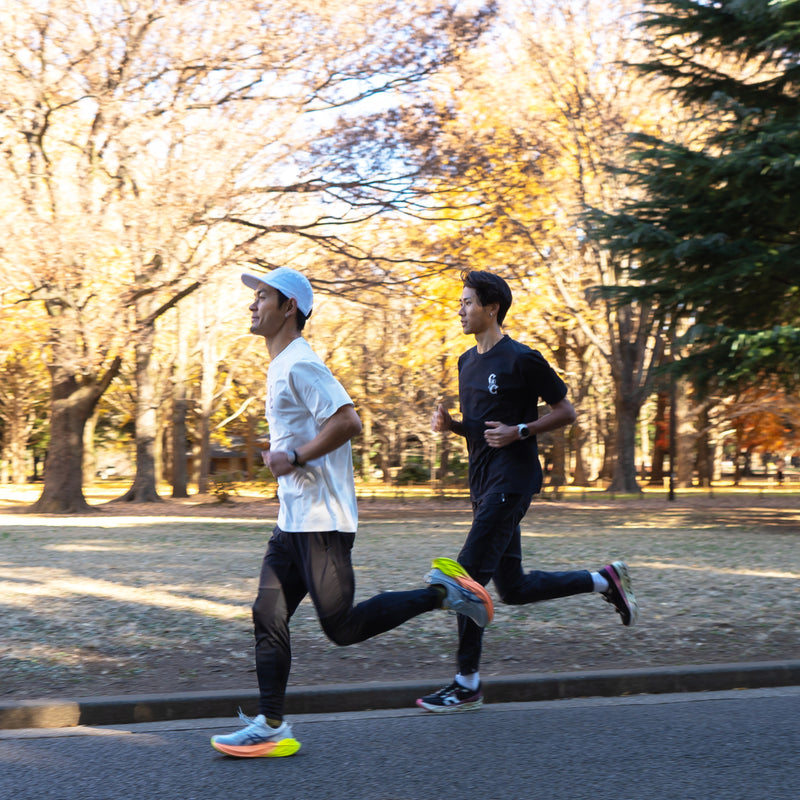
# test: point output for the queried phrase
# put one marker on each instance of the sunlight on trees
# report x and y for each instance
(151, 152)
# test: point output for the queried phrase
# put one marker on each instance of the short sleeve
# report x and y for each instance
(318, 390)
(540, 378)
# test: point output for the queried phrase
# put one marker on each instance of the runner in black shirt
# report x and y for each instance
(504, 384)
(500, 383)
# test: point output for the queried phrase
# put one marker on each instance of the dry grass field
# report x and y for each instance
(155, 598)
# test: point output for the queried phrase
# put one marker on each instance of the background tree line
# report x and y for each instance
(152, 150)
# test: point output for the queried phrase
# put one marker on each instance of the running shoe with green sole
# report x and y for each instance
(257, 740)
(464, 595)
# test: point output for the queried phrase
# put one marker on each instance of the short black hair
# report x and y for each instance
(299, 315)
(489, 288)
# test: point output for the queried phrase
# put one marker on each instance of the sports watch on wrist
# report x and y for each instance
(524, 433)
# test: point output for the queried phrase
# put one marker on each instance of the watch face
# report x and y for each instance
(524, 432)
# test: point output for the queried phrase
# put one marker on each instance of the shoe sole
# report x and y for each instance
(469, 705)
(285, 747)
(460, 600)
(619, 570)
(454, 570)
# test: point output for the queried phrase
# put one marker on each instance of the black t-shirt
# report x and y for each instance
(504, 384)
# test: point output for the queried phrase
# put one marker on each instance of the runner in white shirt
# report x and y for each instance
(302, 395)
(311, 422)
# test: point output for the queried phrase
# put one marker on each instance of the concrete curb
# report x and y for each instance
(338, 698)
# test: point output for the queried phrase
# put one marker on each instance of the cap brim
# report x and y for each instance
(289, 287)
(253, 281)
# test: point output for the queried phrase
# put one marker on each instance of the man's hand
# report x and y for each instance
(441, 419)
(337, 430)
(278, 462)
(499, 435)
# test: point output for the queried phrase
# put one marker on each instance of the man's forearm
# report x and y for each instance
(340, 428)
(457, 427)
(560, 415)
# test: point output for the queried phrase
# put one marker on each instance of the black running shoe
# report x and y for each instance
(454, 697)
(620, 591)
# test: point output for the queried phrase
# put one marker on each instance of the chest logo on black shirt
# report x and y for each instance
(493, 384)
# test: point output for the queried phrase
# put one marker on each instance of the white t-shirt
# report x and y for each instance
(301, 395)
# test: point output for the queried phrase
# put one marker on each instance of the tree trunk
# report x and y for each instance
(204, 454)
(705, 460)
(609, 458)
(72, 405)
(208, 371)
(661, 444)
(180, 470)
(580, 475)
(366, 444)
(63, 469)
(558, 454)
(144, 489)
(632, 368)
(558, 459)
(685, 438)
(204, 427)
(624, 479)
(384, 461)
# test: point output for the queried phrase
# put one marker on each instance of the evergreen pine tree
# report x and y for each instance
(713, 233)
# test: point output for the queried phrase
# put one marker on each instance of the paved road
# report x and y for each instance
(741, 745)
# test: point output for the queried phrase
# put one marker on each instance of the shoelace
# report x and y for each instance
(252, 721)
(244, 718)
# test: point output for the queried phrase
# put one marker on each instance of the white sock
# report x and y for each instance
(600, 583)
(472, 681)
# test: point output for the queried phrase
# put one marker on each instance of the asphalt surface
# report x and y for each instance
(342, 698)
(729, 745)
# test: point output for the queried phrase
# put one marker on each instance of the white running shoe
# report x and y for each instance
(257, 740)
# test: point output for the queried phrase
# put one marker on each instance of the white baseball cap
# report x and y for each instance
(286, 280)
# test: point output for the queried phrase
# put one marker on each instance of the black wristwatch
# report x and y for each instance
(524, 433)
(294, 459)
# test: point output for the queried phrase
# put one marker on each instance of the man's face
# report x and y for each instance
(475, 318)
(266, 316)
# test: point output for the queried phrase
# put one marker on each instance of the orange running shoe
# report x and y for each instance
(464, 595)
